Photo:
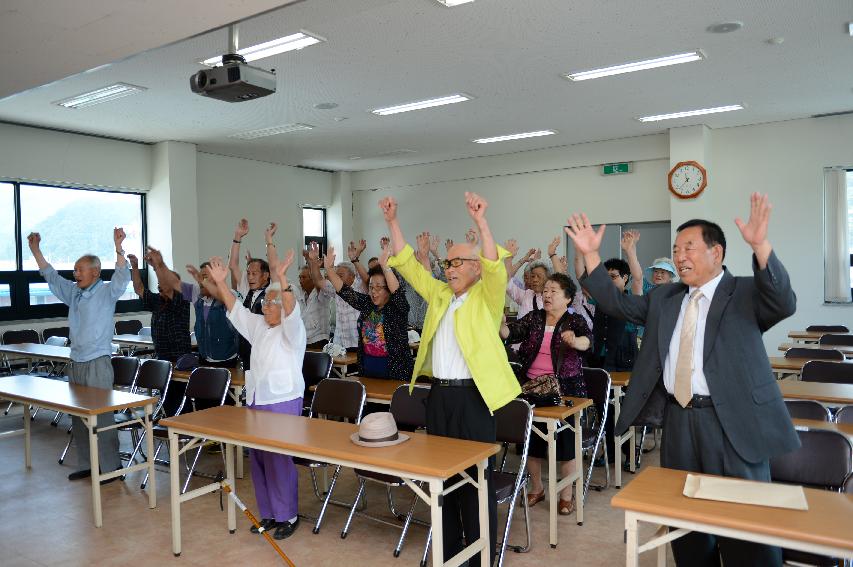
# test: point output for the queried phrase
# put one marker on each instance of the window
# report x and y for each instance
(71, 222)
(850, 222)
(314, 227)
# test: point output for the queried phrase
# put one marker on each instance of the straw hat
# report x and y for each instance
(378, 430)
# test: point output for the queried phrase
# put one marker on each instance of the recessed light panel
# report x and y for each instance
(409, 106)
(106, 94)
(520, 136)
(271, 131)
(270, 48)
(637, 66)
(687, 113)
(452, 3)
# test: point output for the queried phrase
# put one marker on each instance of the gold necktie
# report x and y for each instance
(684, 365)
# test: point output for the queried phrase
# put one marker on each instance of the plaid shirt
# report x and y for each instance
(170, 324)
(346, 317)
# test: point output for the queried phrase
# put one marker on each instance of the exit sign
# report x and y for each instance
(616, 168)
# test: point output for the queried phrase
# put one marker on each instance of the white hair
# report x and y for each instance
(538, 264)
(94, 261)
(347, 266)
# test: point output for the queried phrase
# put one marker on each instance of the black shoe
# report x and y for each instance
(285, 529)
(266, 523)
(80, 474)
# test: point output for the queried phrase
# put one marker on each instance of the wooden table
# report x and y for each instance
(618, 381)
(87, 404)
(427, 458)
(846, 350)
(35, 351)
(806, 424)
(827, 394)
(655, 496)
(554, 419)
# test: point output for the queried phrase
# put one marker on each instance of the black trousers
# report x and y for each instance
(462, 413)
(693, 440)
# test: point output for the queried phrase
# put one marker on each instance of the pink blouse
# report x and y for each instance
(542, 363)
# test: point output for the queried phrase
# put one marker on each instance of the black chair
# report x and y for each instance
(827, 329)
(55, 332)
(316, 366)
(814, 353)
(208, 387)
(410, 414)
(17, 337)
(154, 376)
(598, 390)
(836, 340)
(807, 409)
(338, 399)
(824, 462)
(844, 415)
(128, 327)
(827, 372)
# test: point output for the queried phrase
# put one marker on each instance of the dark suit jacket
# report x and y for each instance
(746, 397)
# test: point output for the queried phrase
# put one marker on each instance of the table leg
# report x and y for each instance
(175, 492)
(632, 551)
(435, 488)
(579, 481)
(483, 500)
(28, 456)
(149, 447)
(632, 450)
(91, 425)
(238, 391)
(229, 476)
(617, 447)
(552, 481)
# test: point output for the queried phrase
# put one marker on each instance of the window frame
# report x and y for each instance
(321, 240)
(20, 279)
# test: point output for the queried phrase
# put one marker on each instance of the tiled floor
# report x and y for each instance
(47, 520)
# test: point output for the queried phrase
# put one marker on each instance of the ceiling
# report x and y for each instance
(508, 54)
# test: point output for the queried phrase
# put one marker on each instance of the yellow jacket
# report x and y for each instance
(477, 324)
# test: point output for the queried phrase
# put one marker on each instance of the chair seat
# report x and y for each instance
(504, 483)
(380, 477)
(794, 556)
(301, 461)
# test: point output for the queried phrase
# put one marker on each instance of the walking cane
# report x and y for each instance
(254, 520)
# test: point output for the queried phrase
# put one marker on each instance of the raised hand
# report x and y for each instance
(384, 255)
(471, 237)
(384, 242)
(433, 245)
(476, 206)
(389, 208)
(561, 264)
(423, 243)
(552, 247)
(537, 255)
(134, 261)
(361, 246)
(530, 255)
(586, 239)
(154, 257)
(629, 240)
(512, 247)
(448, 244)
(241, 230)
(270, 232)
(118, 236)
(193, 271)
(352, 251)
(329, 259)
(34, 240)
(283, 264)
(313, 252)
(217, 269)
(754, 231)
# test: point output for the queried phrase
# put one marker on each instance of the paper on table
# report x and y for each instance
(745, 492)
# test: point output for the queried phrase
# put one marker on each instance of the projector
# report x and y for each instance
(233, 81)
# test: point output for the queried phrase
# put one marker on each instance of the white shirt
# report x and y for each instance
(346, 316)
(447, 359)
(315, 313)
(277, 353)
(697, 378)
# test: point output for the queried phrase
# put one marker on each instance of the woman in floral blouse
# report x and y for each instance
(552, 339)
(383, 340)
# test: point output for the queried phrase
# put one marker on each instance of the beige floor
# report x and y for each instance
(47, 520)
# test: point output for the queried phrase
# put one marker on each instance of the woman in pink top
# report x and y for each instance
(552, 339)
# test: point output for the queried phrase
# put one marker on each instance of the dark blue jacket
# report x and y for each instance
(216, 337)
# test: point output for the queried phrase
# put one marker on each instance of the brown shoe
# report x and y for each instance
(534, 499)
(566, 507)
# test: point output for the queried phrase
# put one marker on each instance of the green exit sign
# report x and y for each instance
(616, 168)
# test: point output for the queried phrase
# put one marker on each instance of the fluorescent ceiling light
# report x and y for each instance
(98, 96)
(271, 131)
(637, 66)
(274, 47)
(515, 136)
(452, 3)
(422, 104)
(686, 113)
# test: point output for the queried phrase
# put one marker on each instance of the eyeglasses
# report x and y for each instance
(456, 262)
(265, 302)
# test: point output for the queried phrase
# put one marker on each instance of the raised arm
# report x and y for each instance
(34, 241)
(629, 246)
(754, 231)
(138, 286)
(529, 256)
(61, 287)
(314, 266)
(477, 206)
(167, 279)
(288, 300)
(553, 257)
(587, 240)
(422, 253)
(118, 240)
(331, 274)
(218, 272)
(390, 277)
(354, 252)
(272, 254)
(389, 212)
(234, 255)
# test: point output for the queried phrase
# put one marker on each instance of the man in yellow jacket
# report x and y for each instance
(462, 351)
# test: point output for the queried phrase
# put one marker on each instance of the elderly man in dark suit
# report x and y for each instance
(703, 371)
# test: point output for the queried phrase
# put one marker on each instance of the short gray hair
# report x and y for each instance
(538, 264)
(347, 266)
(94, 261)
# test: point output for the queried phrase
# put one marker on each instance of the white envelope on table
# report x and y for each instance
(745, 492)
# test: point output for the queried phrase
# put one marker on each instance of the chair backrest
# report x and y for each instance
(807, 409)
(154, 374)
(827, 329)
(55, 332)
(338, 398)
(848, 484)
(316, 366)
(20, 336)
(207, 384)
(838, 340)
(844, 415)
(822, 461)
(124, 371)
(56, 340)
(128, 327)
(513, 422)
(597, 385)
(828, 372)
(409, 410)
(145, 332)
(814, 353)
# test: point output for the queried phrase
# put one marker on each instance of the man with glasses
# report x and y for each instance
(91, 305)
(462, 350)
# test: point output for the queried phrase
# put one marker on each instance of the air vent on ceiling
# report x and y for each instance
(271, 131)
(828, 114)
